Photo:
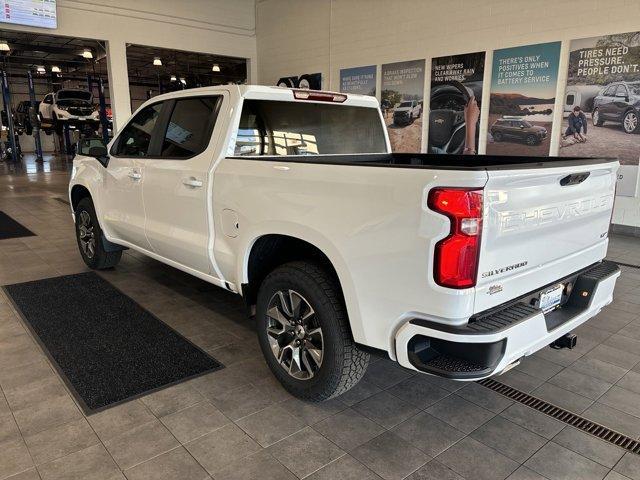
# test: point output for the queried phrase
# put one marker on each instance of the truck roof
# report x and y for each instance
(265, 92)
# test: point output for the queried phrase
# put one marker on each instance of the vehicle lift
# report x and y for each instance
(6, 97)
(35, 121)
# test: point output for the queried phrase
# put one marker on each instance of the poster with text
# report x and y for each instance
(523, 91)
(401, 102)
(454, 106)
(602, 103)
(360, 80)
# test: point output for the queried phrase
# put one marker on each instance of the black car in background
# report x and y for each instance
(516, 129)
(24, 116)
(618, 102)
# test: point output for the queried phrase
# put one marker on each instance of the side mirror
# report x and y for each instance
(94, 147)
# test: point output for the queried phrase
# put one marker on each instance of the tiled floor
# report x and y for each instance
(238, 423)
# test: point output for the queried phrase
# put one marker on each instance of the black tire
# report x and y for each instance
(497, 136)
(596, 119)
(343, 364)
(532, 140)
(100, 259)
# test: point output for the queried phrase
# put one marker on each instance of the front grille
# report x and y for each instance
(80, 111)
(592, 428)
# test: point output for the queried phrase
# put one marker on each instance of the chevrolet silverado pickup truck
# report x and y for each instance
(452, 265)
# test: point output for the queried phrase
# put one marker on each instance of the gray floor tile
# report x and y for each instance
(622, 399)
(434, 470)
(119, 419)
(613, 475)
(172, 465)
(589, 446)
(270, 425)
(533, 420)
(599, 369)
(348, 429)
(14, 458)
(613, 418)
(59, 441)
(427, 433)
(31, 474)
(386, 373)
(524, 473)
(631, 382)
(577, 382)
(312, 413)
(418, 391)
(469, 457)
(508, 438)
(243, 401)
(520, 380)
(562, 398)
(305, 452)
(172, 399)
(46, 414)
(614, 356)
(538, 367)
(484, 397)
(460, 413)
(390, 457)
(386, 409)
(359, 392)
(194, 421)
(8, 428)
(344, 468)
(215, 450)
(258, 466)
(624, 343)
(629, 466)
(558, 463)
(93, 463)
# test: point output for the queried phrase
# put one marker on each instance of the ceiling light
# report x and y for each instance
(40, 69)
(157, 61)
(55, 69)
(86, 53)
(173, 78)
(215, 68)
(4, 46)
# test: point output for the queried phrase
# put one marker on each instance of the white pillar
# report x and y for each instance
(118, 83)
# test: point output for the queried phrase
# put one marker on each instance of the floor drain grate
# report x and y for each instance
(627, 265)
(564, 416)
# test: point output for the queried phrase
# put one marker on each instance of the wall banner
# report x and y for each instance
(601, 116)
(360, 80)
(401, 102)
(454, 106)
(523, 90)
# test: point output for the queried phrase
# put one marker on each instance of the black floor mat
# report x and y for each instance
(107, 347)
(9, 228)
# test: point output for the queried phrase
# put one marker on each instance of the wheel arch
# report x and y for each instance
(77, 193)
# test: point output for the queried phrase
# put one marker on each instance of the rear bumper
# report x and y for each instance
(495, 339)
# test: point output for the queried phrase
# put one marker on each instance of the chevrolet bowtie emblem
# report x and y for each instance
(439, 121)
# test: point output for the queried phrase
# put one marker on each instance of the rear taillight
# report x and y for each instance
(456, 256)
(319, 96)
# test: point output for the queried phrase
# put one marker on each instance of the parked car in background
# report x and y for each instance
(407, 112)
(452, 267)
(72, 106)
(619, 102)
(25, 116)
(518, 130)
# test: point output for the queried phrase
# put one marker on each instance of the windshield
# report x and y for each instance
(526, 124)
(74, 94)
(634, 88)
(296, 128)
(405, 104)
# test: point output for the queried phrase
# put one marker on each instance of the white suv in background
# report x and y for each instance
(73, 106)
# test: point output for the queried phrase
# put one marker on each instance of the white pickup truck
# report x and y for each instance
(456, 266)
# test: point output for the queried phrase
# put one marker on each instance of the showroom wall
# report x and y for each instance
(208, 26)
(328, 35)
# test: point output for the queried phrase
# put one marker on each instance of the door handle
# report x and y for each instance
(135, 175)
(192, 182)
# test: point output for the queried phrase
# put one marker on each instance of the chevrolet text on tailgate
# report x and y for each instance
(456, 266)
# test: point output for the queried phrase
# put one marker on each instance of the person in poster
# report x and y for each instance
(523, 90)
(603, 82)
(360, 80)
(454, 107)
(401, 102)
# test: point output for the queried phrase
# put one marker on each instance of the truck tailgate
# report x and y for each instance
(541, 224)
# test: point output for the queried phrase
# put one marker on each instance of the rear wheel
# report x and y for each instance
(630, 122)
(498, 136)
(304, 332)
(89, 237)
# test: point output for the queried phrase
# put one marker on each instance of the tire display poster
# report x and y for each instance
(401, 102)
(523, 91)
(360, 80)
(454, 106)
(603, 81)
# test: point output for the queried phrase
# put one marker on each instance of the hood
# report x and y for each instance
(74, 102)
(538, 128)
(402, 110)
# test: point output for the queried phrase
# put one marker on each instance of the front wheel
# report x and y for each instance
(497, 136)
(532, 140)
(304, 333)
(89, 237)
(630, 122)
(596, 119)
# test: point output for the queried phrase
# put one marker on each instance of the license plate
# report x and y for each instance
(551, 297)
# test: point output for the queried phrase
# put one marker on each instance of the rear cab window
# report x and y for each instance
(281, 128)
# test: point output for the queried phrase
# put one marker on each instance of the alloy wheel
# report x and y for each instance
(630, 122)
(294, 335)
(86, 234)
(595, 117)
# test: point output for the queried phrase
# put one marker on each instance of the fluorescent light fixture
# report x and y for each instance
(4, 46)
(87, 53)
(173, 78)
(215, 68)
(157, 62)
(55, 69)
(40, 69)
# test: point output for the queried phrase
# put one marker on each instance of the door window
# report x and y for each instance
(610, 92)
(190, 126)
(621, 91)
(135, 139)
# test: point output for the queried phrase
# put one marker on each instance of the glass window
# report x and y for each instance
(570, 99)
(135, 139)
(302, 128)
(621, 91)
(189, 129)
(611, 91)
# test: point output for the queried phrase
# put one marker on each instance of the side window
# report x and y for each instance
(135, 139)
(571, 98)
(190, 126)
(621, 91)
(48, 99)
(611, 91)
